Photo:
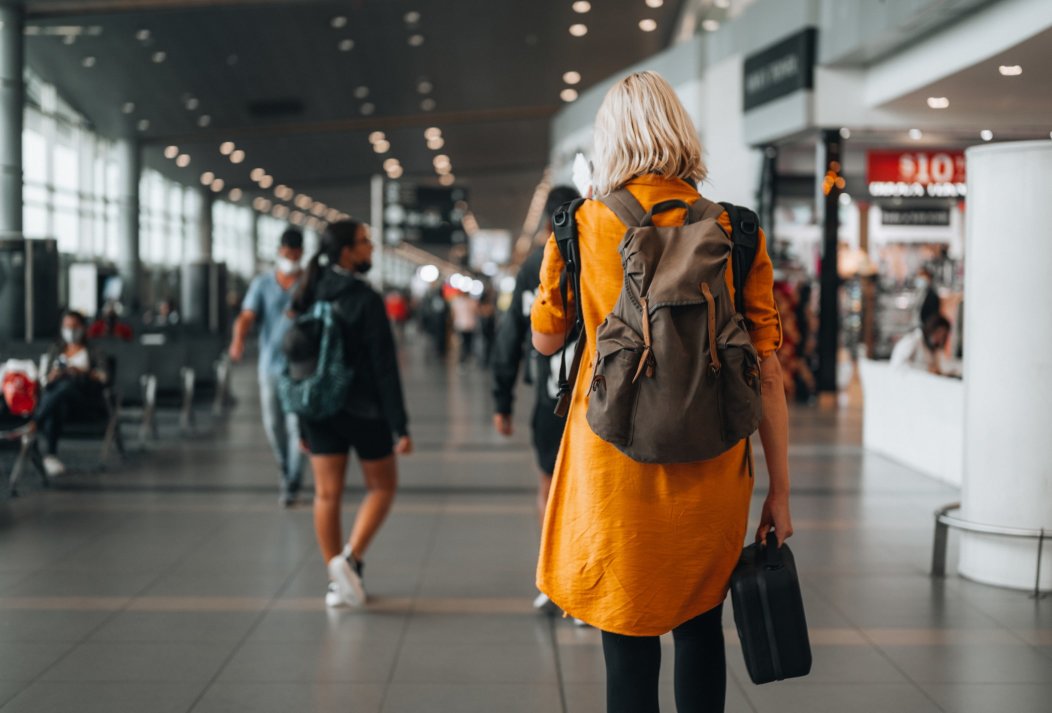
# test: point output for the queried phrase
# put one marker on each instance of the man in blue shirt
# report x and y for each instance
(267, 302)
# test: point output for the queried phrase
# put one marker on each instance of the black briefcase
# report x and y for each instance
(769, 613)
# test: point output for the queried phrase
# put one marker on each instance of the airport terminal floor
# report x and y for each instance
(175, 582)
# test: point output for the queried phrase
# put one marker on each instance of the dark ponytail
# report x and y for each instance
(336, 237)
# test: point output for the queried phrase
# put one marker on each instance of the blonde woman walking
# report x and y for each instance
(640, 549)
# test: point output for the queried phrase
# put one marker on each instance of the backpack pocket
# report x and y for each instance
(741, 406)
(613, 389)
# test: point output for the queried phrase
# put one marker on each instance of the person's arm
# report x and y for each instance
(774, 434)
(508, 347)
(548, 316)
(251, 306)
(381, 347)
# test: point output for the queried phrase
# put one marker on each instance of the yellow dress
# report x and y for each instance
(639, 548)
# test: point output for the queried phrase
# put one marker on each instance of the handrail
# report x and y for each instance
(944, 521)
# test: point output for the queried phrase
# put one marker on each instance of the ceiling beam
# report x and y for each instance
(69, 8)
(345, 126)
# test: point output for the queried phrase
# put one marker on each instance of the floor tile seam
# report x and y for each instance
(559, 678)
(240, 644)
(740, 685)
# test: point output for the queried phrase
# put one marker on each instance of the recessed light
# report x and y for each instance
(579, 30)
(237, 157)
(368, 108)
(986, 135)
(128, 108)
(568, 94)
(192, 103)
(204, 120)
(648, 25)
(710, 25)
(144, 124)
(382, 146)
(226, 148)
(395, 172)
(266, 182)
(432, 132)
(391, 163)
(88, 62)
(916, 134)
(582, 6)
(1010, 70)
(436, 144)
(376, 136)
(171, 152)
(303, 201)
(447, 180)
(416, 40)
(425, 87)
(428, 104)
(183, 160)
(345, 45)
(339, 22)
(361, 92)
(655, 3)
(938, 102)
(412, 17)
(441, 160)
(257, 174)
(207, 178)
(143, 35)
(845, 133)
(159, 56)
(217, 185)
(235, 194)
(572, 77)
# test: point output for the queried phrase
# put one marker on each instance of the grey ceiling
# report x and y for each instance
(495, 67)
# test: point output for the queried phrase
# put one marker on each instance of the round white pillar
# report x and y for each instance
(1008, 361)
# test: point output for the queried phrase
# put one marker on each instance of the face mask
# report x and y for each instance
(287, 266)
(363, 267)
(71, 336)
(921, 283)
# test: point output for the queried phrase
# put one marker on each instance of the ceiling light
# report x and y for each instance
(436, 144)
(237, 157)
(257, 203)
(432, 132)
(159, 56)
(69, 39)
(183, 160)
(345, 45)
(280, 189)
(582, 6)
(376, 136)
(266, 182)
(916, 134)
(447, 180)
(143, 35)
(440, 160)
(361, 92)
(986, 135)
(207, 177)
(192, 103)
(428, 104)
(572, 77)
(395, 172)
(297, 217)
(710, 25)
(204, 120)
(235, 194)
(257, 174)
(938, 102)
(88, 62)
(723, 4)
(128, 108)
(368, 108)
(333, 215)
(424, 87)
(226, 148)
(171, 152)
(568, 94)
(579, 30)
(280, 211)
(416, 40)
(382, 146)
(412, 17)
(655, 3)
(318, 209)
(339, 22)
(1010, 70)
(144, 124)
(845, 133)
(303, 201)
(217, 185)
(391, 163)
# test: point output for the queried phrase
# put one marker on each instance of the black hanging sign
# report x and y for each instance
(780, 69)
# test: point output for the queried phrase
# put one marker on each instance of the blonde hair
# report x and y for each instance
(643, 128)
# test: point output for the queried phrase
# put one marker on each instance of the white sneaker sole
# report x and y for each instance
(348, 583)
(333, 600)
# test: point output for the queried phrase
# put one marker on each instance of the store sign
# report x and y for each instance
(916, 174)
(933, 217)
(780, 69)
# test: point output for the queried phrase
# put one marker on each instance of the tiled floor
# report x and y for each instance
(175, 583)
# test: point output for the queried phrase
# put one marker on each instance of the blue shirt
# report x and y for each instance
(270, 303)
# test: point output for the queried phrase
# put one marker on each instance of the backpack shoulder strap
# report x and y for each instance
(625, 206)
(564, 223)
(745, 237)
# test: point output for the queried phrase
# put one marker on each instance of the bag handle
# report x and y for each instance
(772, 552)
(565, 225)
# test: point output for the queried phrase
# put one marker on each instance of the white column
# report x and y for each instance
(12, 104)
(129, 169)
(376, 229)
(1007, 360)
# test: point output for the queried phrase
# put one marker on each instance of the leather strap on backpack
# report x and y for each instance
(625, 206)
(565, 225)
(745, 236)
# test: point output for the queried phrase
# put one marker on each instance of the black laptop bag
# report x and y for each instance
(769, 613)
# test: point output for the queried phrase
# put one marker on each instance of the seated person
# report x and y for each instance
(108, 325)
(921, 348)
(75, 376)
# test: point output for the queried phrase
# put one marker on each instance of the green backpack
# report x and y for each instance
(317, 380)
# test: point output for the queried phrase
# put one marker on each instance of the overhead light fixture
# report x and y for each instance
(424, 87)
(143, 35)
(568, 94)
(432, 132)
(416, 40)
(279, 190)
(144, 125)
(579, 30)
(440, 160)
(377, 136)
(266, 182)
(345, 45)
(207, 178)
(159, 56)
(226, 148)
(183, 160)
(171, 152)
(235, 194)
(361, 92)
(648, 25)
(368, 108)
(938, 102)
(572, 77)
(382, 146)
(436, 144)
(204, 120)
(192, 103)
(303, 201)
(128, 108)
(412, 17)
(339, 22)
(710, 25)
(655, 3)
(986, 135)
(428, 104)
(257, 174)
(916, 134)
(845, 133)
(395, 172)
(391, 163)
(88, 62)
(1010, 70)
(582, 6)
(237, 157)
(318, 209)
(217, 185)
(447, 180)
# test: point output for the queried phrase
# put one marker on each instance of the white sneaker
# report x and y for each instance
(544, 605)
(53, 466)
(333, 600)
(348, 582)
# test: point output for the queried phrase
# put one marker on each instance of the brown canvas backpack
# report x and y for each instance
(675, 377)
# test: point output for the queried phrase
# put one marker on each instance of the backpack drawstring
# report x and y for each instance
(710, 304)
(646, 360)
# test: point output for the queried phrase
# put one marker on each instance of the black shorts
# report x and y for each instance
(547, 434)
(369, 437)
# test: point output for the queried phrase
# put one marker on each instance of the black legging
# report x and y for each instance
(61, 399)
(633, 662)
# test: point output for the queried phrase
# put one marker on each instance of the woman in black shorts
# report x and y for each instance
(375, 408)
